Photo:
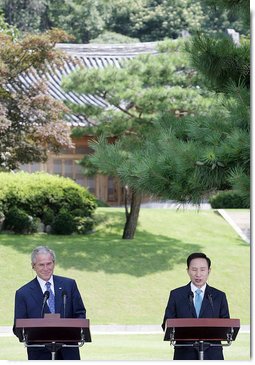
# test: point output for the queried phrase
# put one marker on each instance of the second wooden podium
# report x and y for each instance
(198, 332)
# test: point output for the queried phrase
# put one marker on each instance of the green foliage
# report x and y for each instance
(48, 216)
(83, 225)
(188, 157)
(221, 61)
(227, 199)
(151, 20)
(43, 196)
(8, 29)
(120, 20)
(84, 19)
(25, 15)
(235, 8)
(18, 221)
(23, 141)
(141, 89)
(157, 152)
(63, 223)
(113, 38)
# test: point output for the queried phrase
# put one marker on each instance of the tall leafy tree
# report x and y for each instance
(226, 67)
(192, 157)
(31, 122)
(84, 19)
(137, 94)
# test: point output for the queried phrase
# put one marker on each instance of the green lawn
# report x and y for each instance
(126, 347)
(128, 281)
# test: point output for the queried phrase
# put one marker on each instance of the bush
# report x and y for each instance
(227, 199)
(63, 223)
(18, 221)
(43, 196)
(83, 225)
(48, 216)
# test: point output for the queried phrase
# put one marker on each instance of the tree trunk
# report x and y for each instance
(132, 216)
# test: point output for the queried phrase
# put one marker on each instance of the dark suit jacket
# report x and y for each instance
(180, 305)
(28, 304)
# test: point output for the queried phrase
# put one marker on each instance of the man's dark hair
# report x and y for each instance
(198, 255)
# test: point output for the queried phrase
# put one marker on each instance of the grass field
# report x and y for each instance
(126, 347)
(128, 281)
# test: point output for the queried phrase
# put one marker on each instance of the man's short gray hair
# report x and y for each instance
(42, 250)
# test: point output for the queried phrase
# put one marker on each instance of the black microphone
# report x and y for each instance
(64, 296)
(191, 296)
(45, 298)
(209, 296)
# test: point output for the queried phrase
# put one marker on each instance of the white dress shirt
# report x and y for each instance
(43, 284)
(194, 288)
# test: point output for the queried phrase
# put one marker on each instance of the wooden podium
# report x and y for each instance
(200, 331)
(53, 332)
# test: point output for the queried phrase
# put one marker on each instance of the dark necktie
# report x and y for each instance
(51, 300)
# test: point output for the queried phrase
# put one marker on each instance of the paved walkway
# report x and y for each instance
(239, 221)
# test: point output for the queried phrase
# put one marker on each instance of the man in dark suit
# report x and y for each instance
(182, 301)
(48, 293)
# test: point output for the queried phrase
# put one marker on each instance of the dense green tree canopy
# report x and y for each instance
(145, 20)
(137, 94)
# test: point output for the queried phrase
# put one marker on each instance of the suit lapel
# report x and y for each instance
(190, 300)
(36, 291)
(58, 287)
(205, 301)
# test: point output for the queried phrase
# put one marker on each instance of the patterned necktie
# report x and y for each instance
(198, 301)
(51, 300)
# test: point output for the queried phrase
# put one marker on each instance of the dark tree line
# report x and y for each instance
(120, 20)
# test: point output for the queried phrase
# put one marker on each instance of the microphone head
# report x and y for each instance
(64, 293)
(46, 294)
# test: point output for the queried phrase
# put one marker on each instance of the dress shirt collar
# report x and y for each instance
(194, 288)
(43, 283)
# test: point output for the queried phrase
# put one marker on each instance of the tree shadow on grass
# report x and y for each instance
(147, 253)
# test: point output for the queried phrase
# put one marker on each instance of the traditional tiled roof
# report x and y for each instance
(88, 56)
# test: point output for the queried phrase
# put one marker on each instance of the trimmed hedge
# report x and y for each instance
(227, 199)
(45, 196)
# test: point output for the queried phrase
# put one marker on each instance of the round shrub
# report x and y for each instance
(63, 223)
(43, 196)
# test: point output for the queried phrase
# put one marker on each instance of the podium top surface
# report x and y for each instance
(52, 322)
(54, 329)
(195, 329)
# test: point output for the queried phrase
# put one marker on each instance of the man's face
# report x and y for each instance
(198, 272)
(44, 266)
